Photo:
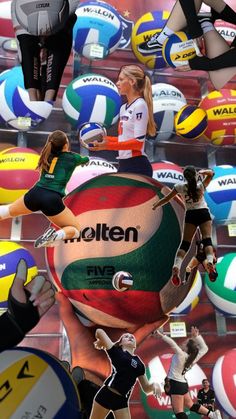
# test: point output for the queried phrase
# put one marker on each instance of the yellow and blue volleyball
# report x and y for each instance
(18, 172)
(38, 384)
(178, 49)
(145, 27)
(191, 122)
(192, 298)
(10, 255)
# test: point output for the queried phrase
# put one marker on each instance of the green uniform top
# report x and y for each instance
(60, 171)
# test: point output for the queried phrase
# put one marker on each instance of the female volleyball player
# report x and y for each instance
(197, 215)
(43, 58)
(136, 120)
(56, 165)
(126, 369)
(182, 361)
(26, 305)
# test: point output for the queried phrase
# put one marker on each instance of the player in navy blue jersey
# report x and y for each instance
(126, 369)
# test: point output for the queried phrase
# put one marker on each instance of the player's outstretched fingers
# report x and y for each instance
(17, 288)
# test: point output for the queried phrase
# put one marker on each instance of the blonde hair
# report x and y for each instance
(55, 143)
(144, 87)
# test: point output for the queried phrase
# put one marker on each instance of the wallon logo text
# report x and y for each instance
(103, 232)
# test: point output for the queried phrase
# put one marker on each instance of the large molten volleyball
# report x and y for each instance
(119, 231)
(191, 122)
(222, 293)
(98, 29)
(10, 255)
(157, 370)
(178, 49)
(28, 375)
(145, 27)
(220, 194)
(167, 101)
(17, 172)
(91, 98)
(220, 106)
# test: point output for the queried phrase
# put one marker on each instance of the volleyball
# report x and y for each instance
(16, 108)
(223, 380)
(10, 255)
(31, 373)
(192, 299)
(167, 173)
(220, 194)
(145, 27)
(41, 18)
(167, 100)
(156, 371)
(98, 29)
(190, 122)
(178, 49)
(220, 106)
(226, 30)
(222, 293)
(90, 132)
(91, 97)
(94, 167)
(17, 172)
(122, 281)
(118, 229)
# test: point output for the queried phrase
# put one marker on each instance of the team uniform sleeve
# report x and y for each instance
(176, 348)
(225, 60)
(203, 348)
(140, 130)
(80, 159)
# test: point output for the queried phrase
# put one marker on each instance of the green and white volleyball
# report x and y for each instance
(91, 98)
(41, 18)
(222, 292)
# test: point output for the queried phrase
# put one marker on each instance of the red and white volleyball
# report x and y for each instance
(224, 382)
(6, 27)
(220, 106)
(157, 370)
(226, 30)
(167, 173)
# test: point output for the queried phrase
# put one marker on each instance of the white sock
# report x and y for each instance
(207, 26)
(165, 33)
(4, 211)
(178, 262)
(60, 235)
(210, 258)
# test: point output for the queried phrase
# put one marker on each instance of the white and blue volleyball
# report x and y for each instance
(41, 17)
(178, 49)
(220, 194)
(92, 131)
(167, 101)
(30, 374)
(15, 106)
(91, 97)
(98, 29)
(192, 298)
(222, 292)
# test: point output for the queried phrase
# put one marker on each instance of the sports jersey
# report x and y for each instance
(126, 368)
(206, 397)
(132, 130)
(60, 171)
(180, 356)
(182, 189)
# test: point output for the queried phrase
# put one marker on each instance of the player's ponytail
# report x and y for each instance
(190, 175)
(192, 350)
(147, 94)
(55, 143)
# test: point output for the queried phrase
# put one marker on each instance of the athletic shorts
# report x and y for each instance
(176, 387)
(45, 200)
(197, 216)
(140, 165)
(110, 400)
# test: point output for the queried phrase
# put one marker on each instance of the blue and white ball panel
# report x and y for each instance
(192, 299)
(91, 130)
(38, 111)
(222, 188)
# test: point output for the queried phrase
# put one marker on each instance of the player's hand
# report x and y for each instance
(194, 332)
(156, 390)
(157, 333)
(99, 145)
(183, 68)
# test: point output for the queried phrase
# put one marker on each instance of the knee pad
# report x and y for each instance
(4, 212)
(207, 242)
(185, 245)
(195, 407)
(181, 415)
